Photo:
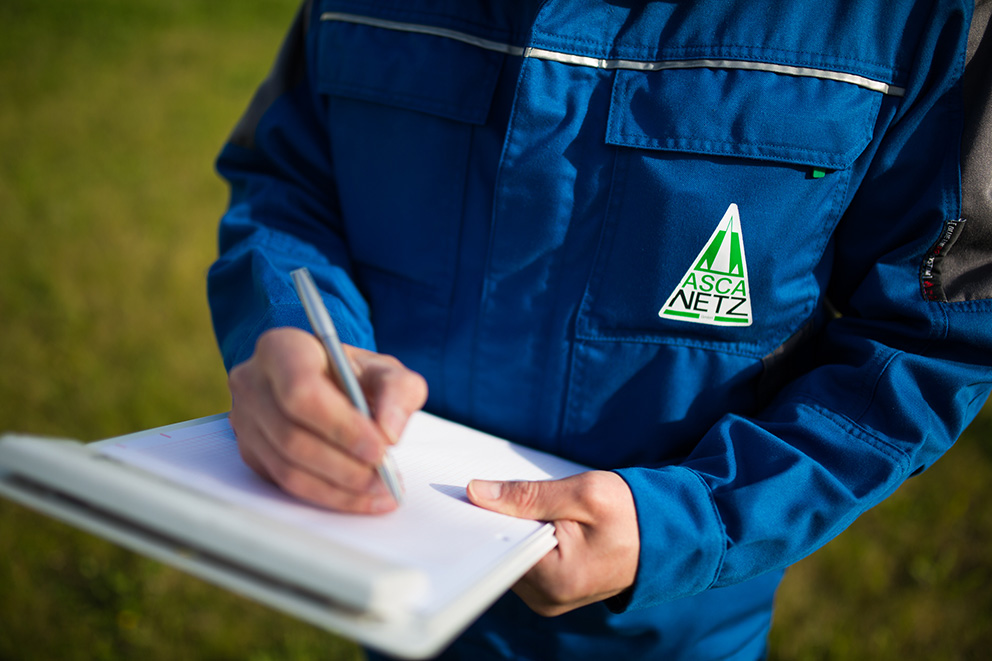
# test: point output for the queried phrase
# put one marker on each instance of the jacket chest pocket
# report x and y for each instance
(727, 187)
(400, 110)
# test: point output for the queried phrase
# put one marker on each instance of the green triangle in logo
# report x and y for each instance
(715, 289)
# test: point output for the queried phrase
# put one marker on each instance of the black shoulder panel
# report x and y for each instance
(966, 272)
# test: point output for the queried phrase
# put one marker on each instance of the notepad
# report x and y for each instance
(437, 459)
(406, 582)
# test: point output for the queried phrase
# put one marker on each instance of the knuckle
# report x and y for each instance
(525, 496)
(418, 385)
(394, 371)
(410, 378)
(295, 482)
(267, 341)
(238, 379)
(390, 368)
(390, 361)
(299, 397)
(588, 493)
(295, 447)
(593, 493)
(359, 480)
(345, 431)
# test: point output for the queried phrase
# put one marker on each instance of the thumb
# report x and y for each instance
(542, 501)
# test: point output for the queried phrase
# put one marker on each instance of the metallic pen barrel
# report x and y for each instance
(323, 327)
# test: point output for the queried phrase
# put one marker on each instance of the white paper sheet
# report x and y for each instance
(436, 530)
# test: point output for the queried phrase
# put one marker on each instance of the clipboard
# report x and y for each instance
(405, 583)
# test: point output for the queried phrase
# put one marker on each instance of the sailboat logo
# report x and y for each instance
(715, 290)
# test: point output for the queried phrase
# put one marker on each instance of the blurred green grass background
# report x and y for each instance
(111, 113)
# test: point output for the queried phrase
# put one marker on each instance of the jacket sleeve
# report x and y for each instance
(282, 214)
(895, 377)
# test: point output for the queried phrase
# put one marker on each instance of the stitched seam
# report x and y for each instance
(748, 350)
(728, 146)
(854, 430)
(486, 285)
(376, 94)
(875, 383)
(720, 525)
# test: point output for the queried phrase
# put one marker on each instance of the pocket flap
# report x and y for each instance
(422, 72)
(753, 114)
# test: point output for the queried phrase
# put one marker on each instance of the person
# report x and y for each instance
(722, 253)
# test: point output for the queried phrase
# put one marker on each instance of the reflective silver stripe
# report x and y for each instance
(632, 65)
(423, 29)
(637, 65)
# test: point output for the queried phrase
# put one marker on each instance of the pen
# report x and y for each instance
(324, 329)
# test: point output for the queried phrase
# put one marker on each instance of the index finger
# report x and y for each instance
(297, 368)
(394, 391)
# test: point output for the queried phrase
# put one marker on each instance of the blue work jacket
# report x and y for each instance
(715, 246)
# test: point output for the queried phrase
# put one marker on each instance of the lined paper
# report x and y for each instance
(436, 530)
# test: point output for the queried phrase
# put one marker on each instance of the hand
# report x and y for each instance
(297, 429)
(598, 539)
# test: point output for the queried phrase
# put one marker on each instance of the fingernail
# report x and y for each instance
(385, 504)
(393, 421)
(487, 490)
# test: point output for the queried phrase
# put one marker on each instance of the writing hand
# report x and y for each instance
(297, 429)
(596, 526)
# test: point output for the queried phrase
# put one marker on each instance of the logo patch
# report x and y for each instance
(714, 290)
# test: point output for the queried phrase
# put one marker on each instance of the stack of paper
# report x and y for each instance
(406, 582)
